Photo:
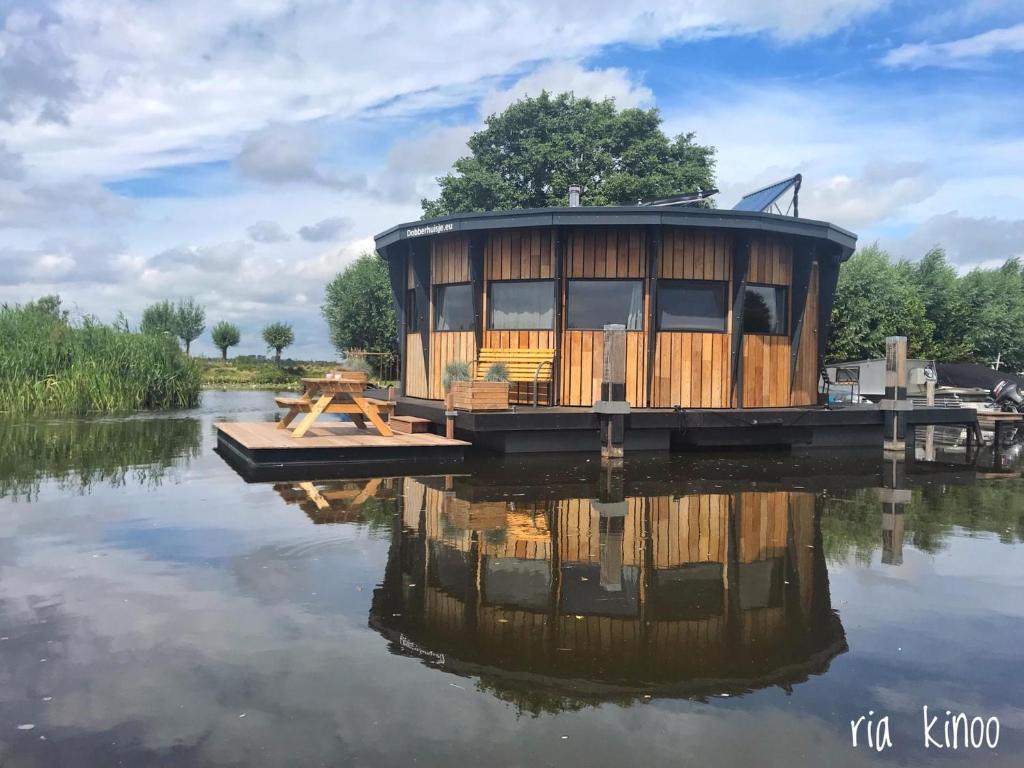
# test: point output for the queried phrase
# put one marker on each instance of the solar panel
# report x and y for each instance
(763, 200)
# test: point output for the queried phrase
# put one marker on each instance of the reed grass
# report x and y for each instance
(51, 365)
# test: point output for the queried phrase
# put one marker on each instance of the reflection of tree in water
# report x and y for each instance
(80, 453)
(850, 521)
(757, 315)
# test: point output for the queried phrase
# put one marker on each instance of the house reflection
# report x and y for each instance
(597, 599)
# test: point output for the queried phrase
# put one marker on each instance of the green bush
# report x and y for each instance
(457, 370)
(497, 372)
(52, 365)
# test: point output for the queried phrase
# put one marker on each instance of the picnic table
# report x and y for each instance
(323, 395)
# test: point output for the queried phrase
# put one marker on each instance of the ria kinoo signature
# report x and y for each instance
(940, 731)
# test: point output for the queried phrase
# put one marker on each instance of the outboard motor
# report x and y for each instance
(1007, 397)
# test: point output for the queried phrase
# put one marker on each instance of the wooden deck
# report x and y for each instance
(331, 449)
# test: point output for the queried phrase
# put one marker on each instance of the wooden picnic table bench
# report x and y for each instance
(323, 395)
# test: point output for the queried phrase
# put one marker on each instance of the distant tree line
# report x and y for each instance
(186, 321)
(976, 317)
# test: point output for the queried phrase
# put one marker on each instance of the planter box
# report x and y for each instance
(480, 395)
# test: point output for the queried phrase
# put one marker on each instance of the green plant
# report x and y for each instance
(50, 364)
(189, 321)
(457, 370)
(159, 319)
(278, 336)
(224, 335)
(359, 308)
(497, 372)
(356, 365)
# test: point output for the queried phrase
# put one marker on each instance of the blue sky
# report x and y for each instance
(245, 152)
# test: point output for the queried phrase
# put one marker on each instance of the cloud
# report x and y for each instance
(267, 232)
(965, 51)
(58, 261)
(36, 77)
(557, 77)
(281, 154)
(327, 229)
(12, 165)
(967, 240)
(222, 257)
(880, 189)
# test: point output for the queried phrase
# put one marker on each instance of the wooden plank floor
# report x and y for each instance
(264, 434)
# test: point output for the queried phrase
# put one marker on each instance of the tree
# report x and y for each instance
(224, 335)
(528, 155)
(359, 308)
(949, 315)
(875, 299)
(159, 318)
(189, 321)
(278, 336)
(996, 301)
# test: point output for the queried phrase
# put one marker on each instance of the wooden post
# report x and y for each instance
(894, 496)
(449, 415)
(929, 432)
(895, 400)
(612, 406)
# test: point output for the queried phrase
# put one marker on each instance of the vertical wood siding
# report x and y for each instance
(449, 263)
(605, 252)
(805, 388)
(766, 359)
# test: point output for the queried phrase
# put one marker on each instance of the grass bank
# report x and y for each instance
(247, 372)
(52, 365)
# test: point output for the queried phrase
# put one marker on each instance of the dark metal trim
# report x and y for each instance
(740, 265)
(424, 305)
(653, 267)
(477, 244)
(803, 259)
(713, 218)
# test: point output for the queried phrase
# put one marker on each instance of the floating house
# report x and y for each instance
(722, 308)
(726, 317)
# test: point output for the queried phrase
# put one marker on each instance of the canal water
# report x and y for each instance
(726, 610)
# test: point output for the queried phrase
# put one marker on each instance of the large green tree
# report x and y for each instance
(359, 307)
(189, 321)
(224, 335)
(875, 299)
(945, 307)
(996, 301)
(528, 155)
(159, 318)
(278, 336)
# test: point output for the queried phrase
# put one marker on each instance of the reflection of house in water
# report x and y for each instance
(591, 599)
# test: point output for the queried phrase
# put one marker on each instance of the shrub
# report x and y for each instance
(497, 372)
(457, 370)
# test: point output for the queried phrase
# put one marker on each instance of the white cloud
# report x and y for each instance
(881, 189)
(36, 73)
(560, 76)
(267, 232)
(326, 229)
(280, 153)
(957, 53)
(967, 240)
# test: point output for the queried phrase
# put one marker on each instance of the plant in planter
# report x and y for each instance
(491, 394)
(352, 369)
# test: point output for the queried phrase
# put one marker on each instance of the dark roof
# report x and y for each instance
(970, 375)
(844, 240)
(762, 199)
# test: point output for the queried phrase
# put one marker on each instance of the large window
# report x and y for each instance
(692, 305)
(593, 304)
(453, 307)
(527, 305)
(765, 309)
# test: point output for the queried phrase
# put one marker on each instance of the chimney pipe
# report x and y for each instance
(574, 196)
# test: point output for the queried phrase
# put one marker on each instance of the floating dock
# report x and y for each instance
(261, 451)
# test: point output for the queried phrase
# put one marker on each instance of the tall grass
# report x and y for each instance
(48, 364)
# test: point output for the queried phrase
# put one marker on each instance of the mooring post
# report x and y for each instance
(893, 495)
(612, 509)
(929, 432)
(895, 401)
(449, 415)
(612, 408)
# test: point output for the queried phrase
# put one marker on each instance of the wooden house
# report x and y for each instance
(722, 309)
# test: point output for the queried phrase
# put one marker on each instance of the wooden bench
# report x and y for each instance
(385, 407)
(524, 365)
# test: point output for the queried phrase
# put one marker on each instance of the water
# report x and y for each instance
(721, 611)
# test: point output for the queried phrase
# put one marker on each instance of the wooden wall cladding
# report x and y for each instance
(519, 255)
(605, 252)
(690, 529)
(692, 370)
(766, 359)
(805, 386)
(449, 260)
(579, 526)
(764, 525)
(695, 255)
(447, 347)
(416, 384)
